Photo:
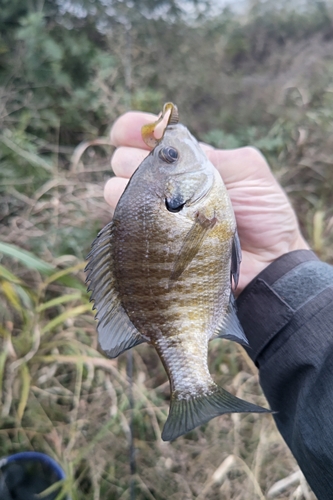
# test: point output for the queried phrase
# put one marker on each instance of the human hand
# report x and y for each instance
(266, 222)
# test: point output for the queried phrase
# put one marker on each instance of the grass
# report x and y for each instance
(61, 396)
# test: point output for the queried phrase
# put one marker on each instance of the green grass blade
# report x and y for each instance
(26, 258)
(25, 378)
(31, 158)
(10, 293)
(3, 358)
(32, 262)
(63, 276)
(76, 311)
(58, 301)
(7, 275)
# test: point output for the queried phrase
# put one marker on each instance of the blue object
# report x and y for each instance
(24, 475)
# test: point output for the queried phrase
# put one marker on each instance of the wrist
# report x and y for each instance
(254, 262)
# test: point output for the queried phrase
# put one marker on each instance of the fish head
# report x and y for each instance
(182, 174)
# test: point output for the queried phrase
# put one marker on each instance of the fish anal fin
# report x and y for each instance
(116, 333)
(230, 327)
(186, 414)
(192, 243)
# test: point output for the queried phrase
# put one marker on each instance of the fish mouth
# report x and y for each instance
(176, 203)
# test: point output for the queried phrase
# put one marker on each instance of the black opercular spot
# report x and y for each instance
(174, 204)
(168, 154)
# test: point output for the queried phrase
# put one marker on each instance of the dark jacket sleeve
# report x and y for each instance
(287, 315)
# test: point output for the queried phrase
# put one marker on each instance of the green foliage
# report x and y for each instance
(57, 68)
(271, 26)
(271, 143)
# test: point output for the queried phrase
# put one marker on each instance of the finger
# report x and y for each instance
(113, 190)
(206, 147)
(126, 131)
(126, 160)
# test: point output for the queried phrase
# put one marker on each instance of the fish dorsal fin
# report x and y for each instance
(192, 244)
(230, 328)
(116, 333)
(236, 259)
(186, 414)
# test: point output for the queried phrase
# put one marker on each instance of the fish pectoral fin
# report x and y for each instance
(192, 244)
(186, 414)
(116, 333)
(230, 327)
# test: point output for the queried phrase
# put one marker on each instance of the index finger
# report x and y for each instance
(126, 130)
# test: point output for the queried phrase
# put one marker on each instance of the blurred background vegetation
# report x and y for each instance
(258, 73)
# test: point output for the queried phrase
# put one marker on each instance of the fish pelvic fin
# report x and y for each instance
(230, 327)
(116, 333)
(186, 414)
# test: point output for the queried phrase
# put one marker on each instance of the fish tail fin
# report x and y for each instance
(186, 414)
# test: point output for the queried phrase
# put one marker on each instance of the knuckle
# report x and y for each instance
(253, 155)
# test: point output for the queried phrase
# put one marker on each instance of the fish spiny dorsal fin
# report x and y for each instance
(116, 333)
(186, 414)
(229, 327)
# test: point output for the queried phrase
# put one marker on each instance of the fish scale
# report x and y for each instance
(161, 272)
(188, 372)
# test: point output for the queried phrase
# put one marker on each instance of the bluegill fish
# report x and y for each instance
(161, 272)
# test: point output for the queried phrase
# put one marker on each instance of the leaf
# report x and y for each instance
(32, 262)
(29, 157)
(64, 272)
(318, 231)
(3, 358)
(58, 301)
(4, 273)
(25, 378)
(11, 295)
(26, 258)
(28, 297)
(76, 311)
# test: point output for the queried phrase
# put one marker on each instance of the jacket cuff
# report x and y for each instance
(271, 299)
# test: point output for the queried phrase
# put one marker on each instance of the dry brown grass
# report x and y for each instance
(61, 396)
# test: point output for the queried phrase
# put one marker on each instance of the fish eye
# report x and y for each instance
(168, 154)
(174, 205)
